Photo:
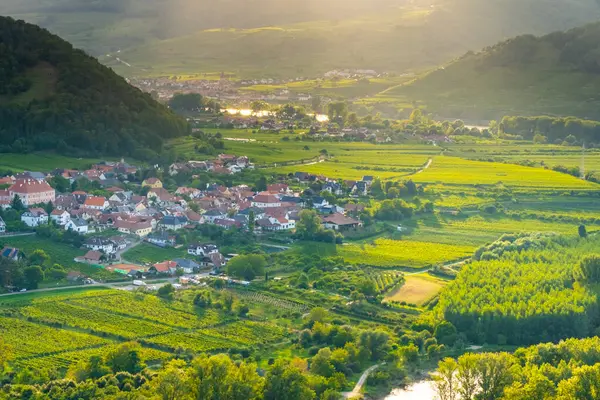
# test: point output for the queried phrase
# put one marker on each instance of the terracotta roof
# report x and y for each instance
(261, 198)
(165, 266)
(95, 201)
(30, 186)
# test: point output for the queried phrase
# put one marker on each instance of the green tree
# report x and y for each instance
(247, 266)
(321, 363)
(60, 184)
(219, 378)
(445, 381)
(337, 112)
(286, 382)
(33, 276)
(171, 383)
(166, 291)
(38, 257)
(582, 231)
(125, 358)
(261, 184)
(189, 102)
(308, 225)
(17, 203)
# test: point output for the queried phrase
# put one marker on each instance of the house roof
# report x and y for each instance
(152, 181)
(173, 220)
(185, 263)
(29, 185)
(340, 220)
(266, 198)
(94, 201)
(79, 222)
(165, 266)
(92, 255)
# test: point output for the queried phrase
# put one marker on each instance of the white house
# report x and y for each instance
(203, 250)
(265, 201)
(61, 217)
(77, 225)
(96, 203)
(100, 244)
(35, 217)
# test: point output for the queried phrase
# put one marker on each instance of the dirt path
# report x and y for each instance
(427, 165)
(363, 378)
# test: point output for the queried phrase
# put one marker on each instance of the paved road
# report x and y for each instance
(116, 285)
(119, 253)
(363, 378)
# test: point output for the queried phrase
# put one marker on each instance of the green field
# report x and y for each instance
(59, 328)
(43, 162)
(456, 171)
(150, 254)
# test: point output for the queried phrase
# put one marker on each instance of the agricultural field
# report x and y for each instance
(456, 171)
(60, 328)
(479, 229)
(417, 289)
(348, 88)
(386, 253)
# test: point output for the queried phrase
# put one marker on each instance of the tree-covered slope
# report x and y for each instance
(556, 74)
(293, 37)
(53, 96)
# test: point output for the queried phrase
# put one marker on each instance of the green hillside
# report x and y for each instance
(53, 97)
(557, 74)
(295, 37)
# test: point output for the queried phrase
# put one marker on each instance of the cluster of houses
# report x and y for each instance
(225, 164)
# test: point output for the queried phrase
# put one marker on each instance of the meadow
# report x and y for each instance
(42, 162)
(146, 253)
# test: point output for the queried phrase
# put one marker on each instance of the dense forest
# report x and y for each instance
(567, 370)
(522, 290)
(55, 97)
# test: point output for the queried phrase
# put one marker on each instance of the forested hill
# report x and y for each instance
(557, 74)
(292, 38)
(53, 96)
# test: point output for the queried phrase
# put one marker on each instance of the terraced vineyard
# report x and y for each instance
(54, 330)
(403, 253)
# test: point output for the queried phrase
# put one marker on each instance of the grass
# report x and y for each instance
(42, 162)
(148, 253)
(59, 253)
(417, 289)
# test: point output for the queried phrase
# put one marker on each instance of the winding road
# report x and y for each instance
(361, 382)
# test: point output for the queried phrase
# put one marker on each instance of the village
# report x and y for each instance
(226, 87)
(146, 212)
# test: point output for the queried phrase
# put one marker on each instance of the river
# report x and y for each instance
(422, 390)
(248, 113)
